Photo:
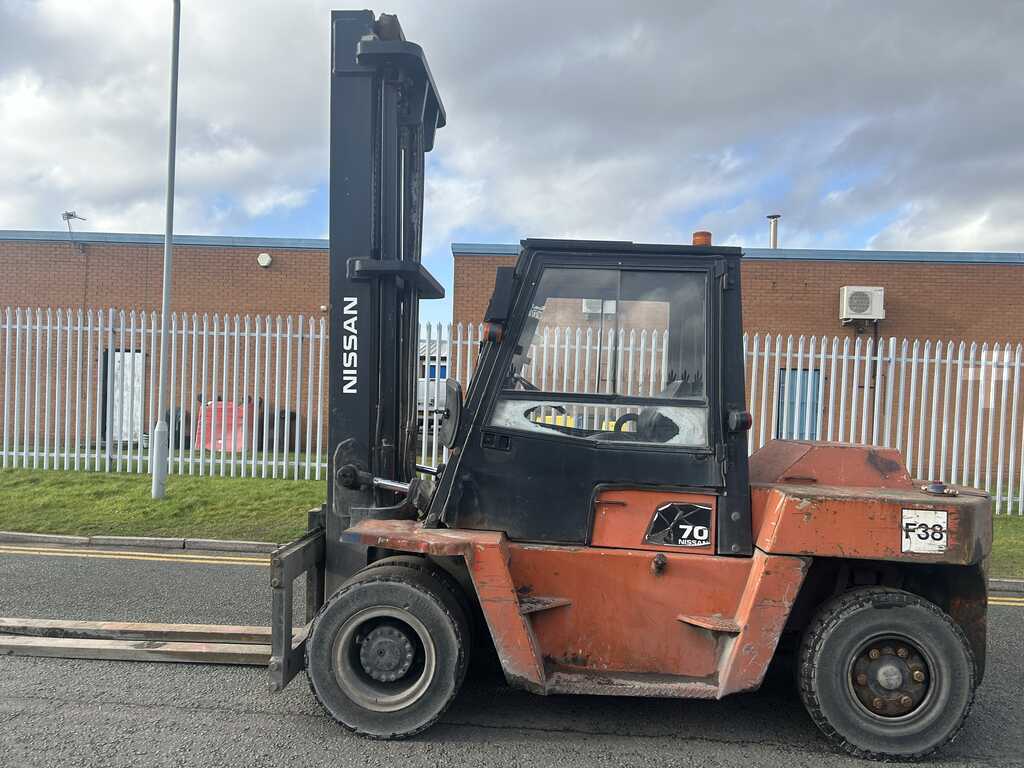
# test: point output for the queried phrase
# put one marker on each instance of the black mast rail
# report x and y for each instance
(384, 112)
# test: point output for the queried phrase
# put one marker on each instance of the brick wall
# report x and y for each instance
(128, 276)
(474, 284)
(949, 301)
(926, 300)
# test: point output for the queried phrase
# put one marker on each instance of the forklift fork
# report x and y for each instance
(302, 556)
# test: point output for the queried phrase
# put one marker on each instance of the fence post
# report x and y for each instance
(1013, 430)
(35, 394)
(979, 424)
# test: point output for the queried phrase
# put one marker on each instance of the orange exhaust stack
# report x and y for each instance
(702, 238)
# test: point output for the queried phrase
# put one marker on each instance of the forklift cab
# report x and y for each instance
(612, 367)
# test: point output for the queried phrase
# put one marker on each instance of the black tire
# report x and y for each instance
(847, 662)
(465, 609)
(382, 599)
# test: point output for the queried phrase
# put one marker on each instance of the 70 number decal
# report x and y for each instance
(698, 533)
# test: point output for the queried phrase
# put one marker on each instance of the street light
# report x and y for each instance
(160, 431)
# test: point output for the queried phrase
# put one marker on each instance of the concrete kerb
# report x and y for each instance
(42, 538)
(224, 545)
(231, 545)
(1006, 585)
(137, 541)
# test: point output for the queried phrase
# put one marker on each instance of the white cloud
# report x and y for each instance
(592, 119)
(264, 201)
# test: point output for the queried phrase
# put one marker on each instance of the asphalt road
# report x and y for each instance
(56, 712)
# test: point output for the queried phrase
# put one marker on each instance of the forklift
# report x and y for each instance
(609, 539)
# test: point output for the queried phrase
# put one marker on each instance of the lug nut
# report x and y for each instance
(906, 701)
(918, 676)
(874, 653)
(902, 653)
(877, 704)
(862, 679)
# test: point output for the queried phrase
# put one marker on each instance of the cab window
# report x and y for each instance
(609, 354)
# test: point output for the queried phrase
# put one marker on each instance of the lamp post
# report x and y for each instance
(160, 431)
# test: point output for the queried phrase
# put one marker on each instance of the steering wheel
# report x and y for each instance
(625, 419)
(560, 410)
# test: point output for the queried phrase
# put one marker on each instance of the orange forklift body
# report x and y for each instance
(623, 617)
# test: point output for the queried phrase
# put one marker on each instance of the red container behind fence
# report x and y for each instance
(236, 420)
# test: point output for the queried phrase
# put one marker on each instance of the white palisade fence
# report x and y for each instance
(952, 408)
(248, 395)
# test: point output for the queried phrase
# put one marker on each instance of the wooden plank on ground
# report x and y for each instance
(135, 650)
(126, 630)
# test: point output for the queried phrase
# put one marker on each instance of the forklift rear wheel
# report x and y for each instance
(886, 674)
(387, 653)
(465, 607)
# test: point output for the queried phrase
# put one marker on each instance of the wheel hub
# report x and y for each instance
(386, 653)
(890, 678)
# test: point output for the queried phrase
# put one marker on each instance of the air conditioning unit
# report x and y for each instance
(597, 306)
(861, 302)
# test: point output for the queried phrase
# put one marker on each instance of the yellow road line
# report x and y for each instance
(90, 551)
(173, 557)
(161, 554)
(142, 556)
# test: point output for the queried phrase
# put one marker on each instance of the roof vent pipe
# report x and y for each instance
(773, 230)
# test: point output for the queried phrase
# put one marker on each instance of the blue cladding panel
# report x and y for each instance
(290, 243)
(801, 254)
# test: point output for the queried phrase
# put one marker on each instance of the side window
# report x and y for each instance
(612, 355)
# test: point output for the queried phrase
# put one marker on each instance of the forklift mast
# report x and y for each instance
(385, 111)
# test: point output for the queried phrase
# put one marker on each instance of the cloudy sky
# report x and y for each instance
(866, 124)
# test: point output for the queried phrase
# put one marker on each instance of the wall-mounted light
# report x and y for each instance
(264, 260)
(68, 216)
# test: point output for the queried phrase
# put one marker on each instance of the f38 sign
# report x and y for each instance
(680, 524)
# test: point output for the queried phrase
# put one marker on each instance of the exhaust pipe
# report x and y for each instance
(773, 230)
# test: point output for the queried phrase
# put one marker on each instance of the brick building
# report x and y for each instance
(947, 295)
(100, 369)
(211, 274)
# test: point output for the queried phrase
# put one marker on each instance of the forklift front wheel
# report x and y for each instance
(886, 674)
(387, 653)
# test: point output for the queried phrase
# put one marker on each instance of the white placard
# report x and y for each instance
(924, 530)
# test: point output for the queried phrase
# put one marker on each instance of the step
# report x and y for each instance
(714, 622)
